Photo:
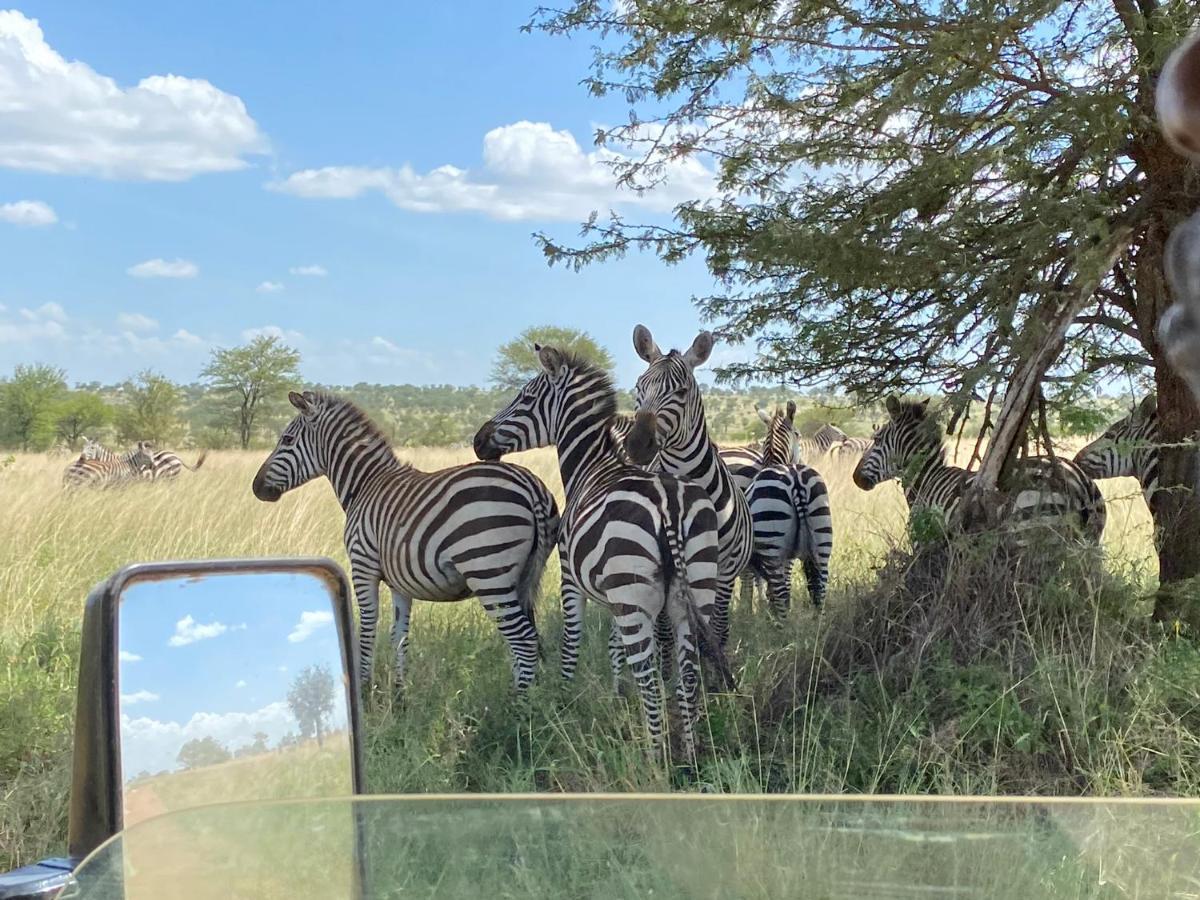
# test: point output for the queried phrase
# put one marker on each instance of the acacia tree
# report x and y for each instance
(516, 362)
(27, 403)
(150, 411)
(914, 194)
(246, 377)
(78, 413)
(310, 699)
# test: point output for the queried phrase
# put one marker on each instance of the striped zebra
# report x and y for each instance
(167, 464)
(909, 447)
(826, 440)
(745, 461)
(670, 431)
(483, 529)
(643, 545)
(789, 505)
(1128, 448)
(119, 471)
(850, 446)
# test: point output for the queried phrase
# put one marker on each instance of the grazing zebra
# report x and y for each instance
(909, 447)
(789, 505)
(644, 545)
(851, 446)
(670, 431)
(483, 529)
(167, 465)
(1128, 448)
(136, 465)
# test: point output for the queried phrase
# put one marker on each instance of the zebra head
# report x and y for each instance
(907, 436)
(142, 457)
(298, 457)
(670, 414)
(1128, 447)
(91, 449)
(781, 446)
(538, 415)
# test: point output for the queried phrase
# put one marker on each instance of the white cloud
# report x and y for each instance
(45, 322)
(150, 745)
(126, 656)
(269, 287)
(241, 683)
(162, 268)
(138, 697)
(530, 171)
(309, 622)
(136, 322)
(29, 213)
(188, 631)
(274, 331)
(61, 116)
(184, 336)
(311, 271)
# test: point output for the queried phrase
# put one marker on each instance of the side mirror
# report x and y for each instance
(210, 682)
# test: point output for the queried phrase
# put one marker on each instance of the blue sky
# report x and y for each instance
(197, 660)
(293, 177)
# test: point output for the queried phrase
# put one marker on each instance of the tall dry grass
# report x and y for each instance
(458, 727)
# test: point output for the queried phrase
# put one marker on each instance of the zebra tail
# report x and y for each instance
(199, 461)
(708, 643)
(805, 542)
(547, 523)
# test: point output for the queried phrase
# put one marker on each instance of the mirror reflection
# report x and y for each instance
(231, 687)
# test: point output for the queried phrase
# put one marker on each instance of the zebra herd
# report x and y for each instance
(97, 466)
(657, 525)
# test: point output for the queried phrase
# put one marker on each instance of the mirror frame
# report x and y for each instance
(96, 807)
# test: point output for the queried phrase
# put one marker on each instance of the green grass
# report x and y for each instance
(1081, 696)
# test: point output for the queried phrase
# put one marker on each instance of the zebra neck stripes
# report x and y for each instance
(1127, 448)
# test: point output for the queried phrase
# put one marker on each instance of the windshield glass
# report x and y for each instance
(680, 846)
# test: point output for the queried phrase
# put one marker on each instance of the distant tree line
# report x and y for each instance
(240, 400)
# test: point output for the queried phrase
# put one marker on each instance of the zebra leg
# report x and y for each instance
(720, 616)
(366, 594)
(572, 608)
(687, 658)
(665, 634)
(747, 590)
(816, 575)
(401, 611)
(635, 625)
(518, 631)
(779, 588)
(616, 655)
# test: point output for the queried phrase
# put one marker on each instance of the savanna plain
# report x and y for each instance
(1052, 683)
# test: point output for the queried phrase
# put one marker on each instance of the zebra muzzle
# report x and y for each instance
(485, 446)
(263, 491)
(641, 444)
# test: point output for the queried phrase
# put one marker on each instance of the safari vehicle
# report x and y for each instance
(290, 819)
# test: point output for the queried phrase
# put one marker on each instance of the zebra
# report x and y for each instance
(1128, 447)
(670, 431)
(134, 466)
(745, 461)
(826, 440)
(851, 446)
(642, 544)
(483, 529)
(789, 505)
(909, 447)
(167, 465)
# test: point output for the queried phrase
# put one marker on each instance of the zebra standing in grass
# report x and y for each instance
(670, 431)
(1128, 448)
(134, 466)
(644, 545)
(789, 505)
(744, 462)
(166, 464)
(909, 447)
(483, 529)
(850, 446)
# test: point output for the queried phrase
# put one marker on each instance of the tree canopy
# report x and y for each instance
(27, 405)
(310, 699)
(249, 377)
(910, 195)
(516, 361)
(150, 411)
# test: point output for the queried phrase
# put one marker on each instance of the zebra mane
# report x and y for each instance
(927, 422)
(354, 411)
(605, 405)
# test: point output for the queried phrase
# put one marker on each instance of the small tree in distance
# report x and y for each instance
(79, 413)
(311, 701)
(151, 410)
(27, 404)
(247, 377)
(516, 362)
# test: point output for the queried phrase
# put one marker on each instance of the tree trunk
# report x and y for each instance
(1176, 506)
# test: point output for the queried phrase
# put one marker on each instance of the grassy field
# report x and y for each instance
(1083, 696)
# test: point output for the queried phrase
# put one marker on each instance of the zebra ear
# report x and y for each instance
(302, 402)
(700, 350)
(1148, 406)
(551, 359)
(791, 410)
(643, 343)
(893, 406)
(762, 414)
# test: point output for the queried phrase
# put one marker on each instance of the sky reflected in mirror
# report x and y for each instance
(234, 674)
